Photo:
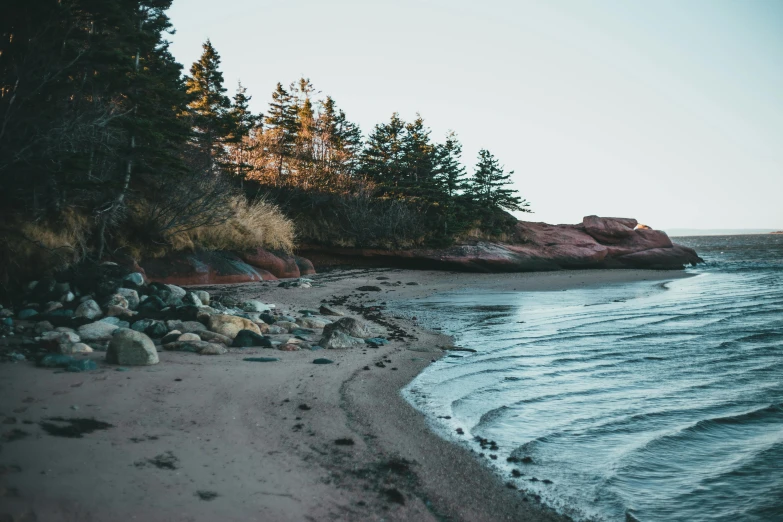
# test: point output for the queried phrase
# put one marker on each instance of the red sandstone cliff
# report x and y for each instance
(595, 243)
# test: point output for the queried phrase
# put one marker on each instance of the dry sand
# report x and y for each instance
(260, 436)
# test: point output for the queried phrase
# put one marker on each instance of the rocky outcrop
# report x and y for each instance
(200, 268)
(595, 243)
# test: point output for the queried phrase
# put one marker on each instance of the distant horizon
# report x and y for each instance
(685, 232)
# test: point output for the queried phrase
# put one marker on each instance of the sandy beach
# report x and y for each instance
(197, 438)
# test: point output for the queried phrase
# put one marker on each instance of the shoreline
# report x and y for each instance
(287, 440)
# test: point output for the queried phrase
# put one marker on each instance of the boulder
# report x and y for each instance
(27, 313)
(171, 337)
(328, 310)
(192, 299)
(131, 348)
(176, 294)
(77, 348)
(305, 266)
(192, 327)
(312, 322)
(51, 306)
(349, 326)
(213, 337)
(213, 349)
(117, 300)
(199, 268)
(248, 338)
(199, 347)
(230, 325)
(203, 296)
(43, 326)
(59, 342)
(608, 230)
(662, 258)
(286, 325)
(131, 296)
(188, 337)
(98, 331)
(255, 306)
(337, 339)
(89, 309)
(176, 324)
(280, 264)
(133, 280)
(118, 311)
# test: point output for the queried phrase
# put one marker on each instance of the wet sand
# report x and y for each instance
(199, 438)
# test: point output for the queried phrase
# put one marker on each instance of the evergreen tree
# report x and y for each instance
(383, 153)
(487, 186)
(305, 128)
(243, 124)
(418, 160)
(209, 109)
(341, 140)
(449, 172)
(281, 130)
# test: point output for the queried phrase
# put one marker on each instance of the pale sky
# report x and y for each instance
(669, 111)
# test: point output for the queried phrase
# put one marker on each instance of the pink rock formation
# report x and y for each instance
(596, 243)
(199, 268)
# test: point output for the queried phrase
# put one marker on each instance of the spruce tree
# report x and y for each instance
(489, 182)
(418, 160)
(209, 109)
(243, 124)
(281, 130)
(449, 172)
(341, 140)
(305, 128)
(383, 153)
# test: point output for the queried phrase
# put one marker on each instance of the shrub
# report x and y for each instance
(250, 225)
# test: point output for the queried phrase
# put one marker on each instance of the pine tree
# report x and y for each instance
(383, 153)
(243, 124)
(209, 109)
(281, 130)
(341, 141)
(305, 128)
(487, 186)
(418, 160)
(449, 171)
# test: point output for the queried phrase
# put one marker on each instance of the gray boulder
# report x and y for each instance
(337, 340)
(98, 331)
(213, 337)
(131, 348)
(199, 347)
(89, 309)
(131, 296)
(349, 326)
(192, 327)
(203, 296)
(177, 294)
(134, 280)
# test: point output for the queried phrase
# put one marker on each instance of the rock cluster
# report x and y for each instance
(132, 320)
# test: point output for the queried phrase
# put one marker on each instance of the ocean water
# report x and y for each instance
(649, 401)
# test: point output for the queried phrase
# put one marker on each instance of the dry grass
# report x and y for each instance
(30, 249)
(253, 225)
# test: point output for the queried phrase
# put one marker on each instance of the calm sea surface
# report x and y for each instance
(651, 401)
